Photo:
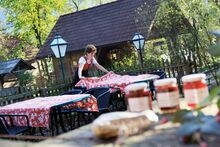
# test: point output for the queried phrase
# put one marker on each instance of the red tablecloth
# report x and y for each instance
(38, 109)
(114, 80)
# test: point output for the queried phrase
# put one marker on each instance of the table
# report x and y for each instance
(38, 109)
(162, 135)
(114, 80)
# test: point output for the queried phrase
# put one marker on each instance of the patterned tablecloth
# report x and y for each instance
(114, 80)
(38, 109)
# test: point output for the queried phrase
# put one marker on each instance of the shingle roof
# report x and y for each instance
(101, 25)
(13, 65)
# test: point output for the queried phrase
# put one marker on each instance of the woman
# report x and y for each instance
(85, 62)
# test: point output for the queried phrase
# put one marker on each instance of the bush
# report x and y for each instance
(24, 78)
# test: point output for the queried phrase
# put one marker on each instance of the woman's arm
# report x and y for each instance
(100, 67)
(80, 68)
(81, 64)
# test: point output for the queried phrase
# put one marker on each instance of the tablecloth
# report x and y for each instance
(38, 109)
(115, 80)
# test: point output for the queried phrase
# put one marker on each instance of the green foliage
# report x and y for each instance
(214, 50)
(33, 20)
(181, 116)
(169, 19)
(203, 17)
(125, 62)
(153, 55)
(204, 14)
(185, 25)
(25, 78)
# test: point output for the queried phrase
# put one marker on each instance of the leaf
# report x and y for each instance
(214, 92)
(182, 116)
(218, 104)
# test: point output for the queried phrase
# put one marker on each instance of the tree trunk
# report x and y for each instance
(76, 5)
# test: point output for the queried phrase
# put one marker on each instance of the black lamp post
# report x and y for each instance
(138, 41)
(59, 46)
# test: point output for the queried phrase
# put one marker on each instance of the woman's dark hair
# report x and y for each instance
(90, 48)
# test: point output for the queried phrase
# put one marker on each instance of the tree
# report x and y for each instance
(203, 16)
(33, 20)
(183, 25)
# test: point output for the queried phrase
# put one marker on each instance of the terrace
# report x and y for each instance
(162, 88)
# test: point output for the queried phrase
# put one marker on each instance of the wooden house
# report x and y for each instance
(110, 27)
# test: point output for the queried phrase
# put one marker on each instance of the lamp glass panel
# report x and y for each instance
(54, 42)
(55, 51)
(142, 44)
(58, 41)
(63, 50)
(135, 37)
(136, 44)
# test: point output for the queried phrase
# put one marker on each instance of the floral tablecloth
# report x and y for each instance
(38, 109)
(114, 80)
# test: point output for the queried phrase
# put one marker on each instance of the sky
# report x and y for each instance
(2, 18)
(1, 15)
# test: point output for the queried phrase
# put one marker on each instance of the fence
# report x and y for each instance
(20, 93)
(178, 71)
(16, 94)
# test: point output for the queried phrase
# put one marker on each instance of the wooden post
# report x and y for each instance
(1, 82)
(38, 66)
(46, 68)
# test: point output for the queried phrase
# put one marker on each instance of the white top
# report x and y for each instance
(136, 86)
(82, 60)
(193, 77)
(167, 81)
